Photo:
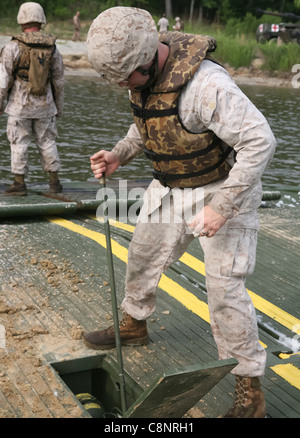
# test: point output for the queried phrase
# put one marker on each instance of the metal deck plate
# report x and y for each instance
(175, 392)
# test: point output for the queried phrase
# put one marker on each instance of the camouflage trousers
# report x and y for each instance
(229, 258)
(20, 133)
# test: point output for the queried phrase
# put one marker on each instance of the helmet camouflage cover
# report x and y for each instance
(31, 12)
(119, 40)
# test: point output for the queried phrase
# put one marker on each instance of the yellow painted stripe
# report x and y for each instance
(193, 263)
(288, 356)
(260, 303)
(186, 298)
(288, 372)
(171, 287)
(116, 224)
(93, 235)
(279, 315)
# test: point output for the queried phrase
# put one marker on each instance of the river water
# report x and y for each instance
(96, 116)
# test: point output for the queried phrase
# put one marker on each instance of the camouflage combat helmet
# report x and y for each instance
(120, 40)
(31, 12)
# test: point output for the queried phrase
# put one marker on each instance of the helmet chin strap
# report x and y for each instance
(152, 71)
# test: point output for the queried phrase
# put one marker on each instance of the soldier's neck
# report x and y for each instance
(32, 29)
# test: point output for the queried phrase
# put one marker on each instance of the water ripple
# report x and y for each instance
(97, 116)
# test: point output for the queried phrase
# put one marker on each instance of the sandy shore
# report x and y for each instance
(76, 63)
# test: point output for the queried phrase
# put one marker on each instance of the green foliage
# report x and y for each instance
(233, 23)
(280, 58)
(235, 52)
(217, 10)
(237, 26)
(61, 12)
(64, 10)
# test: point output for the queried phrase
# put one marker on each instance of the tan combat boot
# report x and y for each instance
(132, 332)
(54, 183)
(250, 400)
(18, 188)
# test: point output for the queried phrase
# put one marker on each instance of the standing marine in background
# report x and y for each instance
(163, 24)
(179, 25)
(32, 80)
(77, 27)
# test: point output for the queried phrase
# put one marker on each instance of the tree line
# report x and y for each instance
(192, 10)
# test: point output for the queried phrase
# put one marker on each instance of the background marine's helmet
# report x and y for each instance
(31, 12)
(119, 40)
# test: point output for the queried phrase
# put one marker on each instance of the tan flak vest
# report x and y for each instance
(36, 51)
(180, 158)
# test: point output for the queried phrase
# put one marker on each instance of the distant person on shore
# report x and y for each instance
(179, 26)
(163, 24)
(32, 80)
(77, 27)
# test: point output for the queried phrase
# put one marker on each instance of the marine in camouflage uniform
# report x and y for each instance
(209, 146)
(31, 115)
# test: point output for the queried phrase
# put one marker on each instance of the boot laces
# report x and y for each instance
(241, 392)
(124, 319)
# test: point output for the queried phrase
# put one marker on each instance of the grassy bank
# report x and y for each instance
(237, 45)
(63, 29)
(243, 51)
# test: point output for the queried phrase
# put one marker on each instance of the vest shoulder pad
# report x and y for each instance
(33, 39)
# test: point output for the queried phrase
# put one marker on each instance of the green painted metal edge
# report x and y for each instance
(176, 391)
(34, 207)
(271, 196)
(41, 209)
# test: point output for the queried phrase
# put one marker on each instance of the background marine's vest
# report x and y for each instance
(180, 158)
(36, 51)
